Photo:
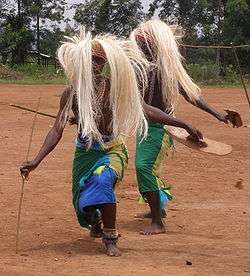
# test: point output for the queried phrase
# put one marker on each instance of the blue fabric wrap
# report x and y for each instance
(98, 189)
(163, 200)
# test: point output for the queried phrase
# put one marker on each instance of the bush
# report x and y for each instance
(231, 76)
(9, 74)
(38, 71)
(31, 73)
(206, 73)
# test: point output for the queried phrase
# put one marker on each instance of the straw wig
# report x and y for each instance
(125, 102)
(161, 42)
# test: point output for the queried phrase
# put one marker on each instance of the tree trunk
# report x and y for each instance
(38, 37)
(19, 8)
(218, 64)
(16, 55)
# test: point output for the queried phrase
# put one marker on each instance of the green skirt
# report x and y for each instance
(88, 162)
(150, 154)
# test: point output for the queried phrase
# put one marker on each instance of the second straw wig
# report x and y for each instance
(124, 95)
(161, 40)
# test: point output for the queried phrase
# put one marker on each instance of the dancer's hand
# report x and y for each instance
(195, 135)
(234, 118)
(223, 118)
(27, 167)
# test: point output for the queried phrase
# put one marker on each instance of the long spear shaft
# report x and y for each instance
(31, 110)
(23, 179)
(240, 72)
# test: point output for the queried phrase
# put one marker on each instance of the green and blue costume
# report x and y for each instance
(96, 170)
(149, 157)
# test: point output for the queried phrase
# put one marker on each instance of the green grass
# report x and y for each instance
(34, 74)
(31, 74)
(235, 85)
(207, 75)
(31, 81)
(225, 85)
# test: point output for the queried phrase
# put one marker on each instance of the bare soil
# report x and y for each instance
(208, 222)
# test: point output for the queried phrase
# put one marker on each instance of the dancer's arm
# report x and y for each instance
(203, 105)
(156, 115)
(52, 138)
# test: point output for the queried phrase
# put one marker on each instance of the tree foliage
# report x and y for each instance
(35, 24)
(15, 39)
(209, 21)
(117, 17)
(17, 32)
(52, 10)
(4, 7)
(125, 16)
(88, 13)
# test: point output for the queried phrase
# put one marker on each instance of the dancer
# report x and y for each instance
(107, 104)
(167, 78)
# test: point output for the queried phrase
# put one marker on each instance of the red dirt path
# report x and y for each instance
(208, 222)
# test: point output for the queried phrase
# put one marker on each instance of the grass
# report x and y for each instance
(225, 85)
(206, 74)
(34, 74)
(31, 74)
(31, 81)
(234, 85)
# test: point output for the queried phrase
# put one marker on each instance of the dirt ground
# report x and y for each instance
(208, 222)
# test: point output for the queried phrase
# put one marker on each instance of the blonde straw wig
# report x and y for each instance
(125, 101)
(161, 41)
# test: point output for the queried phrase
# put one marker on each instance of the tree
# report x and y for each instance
(15, 36)
(117, 17)
(51, 39)
(4, 7)
(15, 39)
(87, 14)
(103, 16)
(125, 16)
(236, 28)
(210, 22)
(237, 20)
(153, 7)
(43, 10)
(188, 13)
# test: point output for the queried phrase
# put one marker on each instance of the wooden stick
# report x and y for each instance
(241, 75)
(31, 110)
(214, 46)
(23, 178)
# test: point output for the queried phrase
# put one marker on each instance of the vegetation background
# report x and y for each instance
(31, 31)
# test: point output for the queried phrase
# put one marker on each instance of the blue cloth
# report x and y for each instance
(98, 189)
(163, 200)
(82, 142)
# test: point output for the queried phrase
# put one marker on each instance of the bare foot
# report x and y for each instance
(154, 229)
(148, 215)
(112, 250)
